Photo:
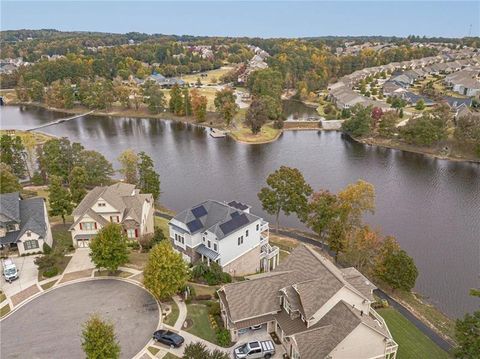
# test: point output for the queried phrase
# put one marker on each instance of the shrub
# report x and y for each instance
(278, 124)
(37, 179)
(203, 297)
(45, 262)
(223, 337)
(46, 248)
(50, 272)
(212, 274)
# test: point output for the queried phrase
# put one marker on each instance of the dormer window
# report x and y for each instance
(102, 204)
(11, 227)
(29, 234)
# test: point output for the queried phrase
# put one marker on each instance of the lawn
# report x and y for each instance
(412, 343)
(163, 224)
(106, 273)
(137, 260)
(170, 356)
(48, 285)
(244, 134)
(2, 296)
(203, 290)
(4, 310)
(61, 264)
(198, 314)
(211, 75)
(173, 316)
(153, 350)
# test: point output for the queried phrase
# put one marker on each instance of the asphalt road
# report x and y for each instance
(50, 326)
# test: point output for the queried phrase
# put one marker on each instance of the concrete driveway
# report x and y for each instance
(261, 334)
(50, 326)
(28, 274)
(80, 261)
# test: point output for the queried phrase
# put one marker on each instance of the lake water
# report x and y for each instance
(432, 206)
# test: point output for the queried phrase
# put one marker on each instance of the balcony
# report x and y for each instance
(264, 226)
(268, 252)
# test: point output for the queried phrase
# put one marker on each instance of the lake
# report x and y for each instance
(431, 206)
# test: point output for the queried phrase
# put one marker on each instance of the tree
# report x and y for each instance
(129, 161)
(225, 104)
(8, 181)
(109, 247)
(59, 198)
(400, 271)
(426, 130)
(287, 191)
(257, 115)
(361, 249)
(77, 181)
(266, 82)
(59, 156)
(12, 153)
(187, 103)
(176, 100)
(387, 125)
(149, 180)
(467, 333)
(154, 97)
(420, 105)
(36, 90)
(359, 124)
(99, 340)
(166, 272)
(199, 106)
(22, 90)
(354, 201)
(98, 169)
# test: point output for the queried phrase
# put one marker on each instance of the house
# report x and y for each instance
(119, 203)
(225, 233)
(315, 309)
(165, 82)
(24, 223)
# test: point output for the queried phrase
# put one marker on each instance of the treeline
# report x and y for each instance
(337, 219)
(69, 170)
(429, 128)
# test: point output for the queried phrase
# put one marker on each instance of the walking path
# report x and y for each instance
(182, 315)
(59, 121)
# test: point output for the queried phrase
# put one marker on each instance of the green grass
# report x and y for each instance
(203, 290)
(163, 224)
(137, 260)
(198, 314)
(244, 134)
(173, 316)
(61, 264)
(412, 343)
(48, 285)
(2, 296)
(4, 310)
(153, 350)
(170, 356)
(106, 273)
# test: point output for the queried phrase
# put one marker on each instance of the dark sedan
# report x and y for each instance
(169, 338)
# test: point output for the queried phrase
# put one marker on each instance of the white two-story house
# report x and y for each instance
(225, 233)
(119, 203)
(24, 223)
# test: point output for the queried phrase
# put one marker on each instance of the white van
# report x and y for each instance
(10, 271)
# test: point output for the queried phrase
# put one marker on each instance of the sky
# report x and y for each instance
(249, 18)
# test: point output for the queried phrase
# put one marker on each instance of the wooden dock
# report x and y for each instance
(215, 133)
(59, 121)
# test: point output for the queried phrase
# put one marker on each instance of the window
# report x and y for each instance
(258, 227)
(29, 234)
(132, 233)
(214, 246)
(246, 233)
(88, 226)
(11, 227)
(114, 219)
(179, 238)
(203, 239)
(240, 240)
(209, 244)
(102, 204)
(32, 244)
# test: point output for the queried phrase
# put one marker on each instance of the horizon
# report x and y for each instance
(236, 19)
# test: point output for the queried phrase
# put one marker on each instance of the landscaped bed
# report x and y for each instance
(106, 273)
(49, 285)
(412, 343)
(4, 310)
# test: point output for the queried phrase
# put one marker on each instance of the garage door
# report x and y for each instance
(82, 243)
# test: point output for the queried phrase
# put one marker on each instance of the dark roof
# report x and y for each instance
(238, 205)
(31, 215)
(216, 217)
(10, 207)
(207, 252)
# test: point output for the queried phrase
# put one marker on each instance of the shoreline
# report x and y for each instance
(431, 153)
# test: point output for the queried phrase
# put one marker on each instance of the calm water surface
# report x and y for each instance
(432, 206)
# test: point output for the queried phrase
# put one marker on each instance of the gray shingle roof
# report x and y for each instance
(216, 217)
(29, 214)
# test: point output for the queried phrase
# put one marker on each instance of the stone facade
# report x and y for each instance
(248, 263)
(190, 252)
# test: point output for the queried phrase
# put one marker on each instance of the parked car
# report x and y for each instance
(256, 327)
(10, 271)
(169, 338)
(253, 350)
